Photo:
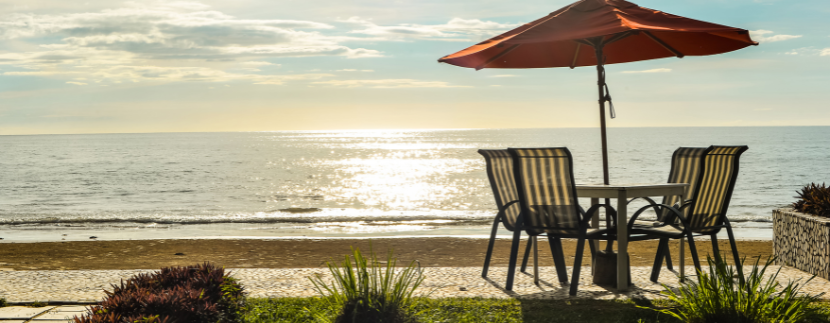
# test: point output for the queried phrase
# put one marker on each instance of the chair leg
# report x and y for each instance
(668, 258)
(490, 248)
(693, 251)
(715, 247)
(580, 247)
(514, 253)
(734, 246)
(662, 246)
(527, 254)
(593, 247)
(558, 258)
(536, 260)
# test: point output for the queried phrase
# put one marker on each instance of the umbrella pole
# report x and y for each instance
(600, 87)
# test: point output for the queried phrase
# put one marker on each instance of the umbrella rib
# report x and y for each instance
(492, 59)
(619, 36)
(584, 42)
(576, 55)
(662, 43)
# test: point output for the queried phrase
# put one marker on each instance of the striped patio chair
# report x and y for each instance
(499, 165)
(549, 205)
(686, 163)
(703, 214)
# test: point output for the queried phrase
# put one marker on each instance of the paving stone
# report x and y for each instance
(55, 316)
(88, 285)
(60, 314)
(71, 308)
(21, 312)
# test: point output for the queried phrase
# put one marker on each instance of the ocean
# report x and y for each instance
(347, 183)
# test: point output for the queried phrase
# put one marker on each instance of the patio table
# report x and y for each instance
(624, 192)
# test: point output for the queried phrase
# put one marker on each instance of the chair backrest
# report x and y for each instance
(545, 183)
(712, 196)
(686, 164)
(500, 172)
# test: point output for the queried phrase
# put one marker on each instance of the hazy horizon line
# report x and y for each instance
(380, 130)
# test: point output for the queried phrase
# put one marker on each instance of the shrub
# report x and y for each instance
(366, 292)
(813, 199)
(201, 293)
(3, 302)
(718, 297)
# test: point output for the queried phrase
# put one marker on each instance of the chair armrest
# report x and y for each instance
(504, 208)
(671, 209)
(587, 215)
(650, 201)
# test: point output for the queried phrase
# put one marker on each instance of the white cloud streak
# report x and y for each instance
(456, 29)
(656, 70)
(388, 83)
(825, 52)
(760, 36)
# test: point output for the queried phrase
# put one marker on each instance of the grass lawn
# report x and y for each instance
(475, 310)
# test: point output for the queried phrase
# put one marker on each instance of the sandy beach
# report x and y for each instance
(302, 253)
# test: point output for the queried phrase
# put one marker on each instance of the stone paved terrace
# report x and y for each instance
(86, 286)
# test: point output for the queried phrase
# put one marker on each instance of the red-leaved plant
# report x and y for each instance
(200, 293)
(814, 199)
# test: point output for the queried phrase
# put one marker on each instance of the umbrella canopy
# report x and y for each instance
(629, 33)
(600, 32)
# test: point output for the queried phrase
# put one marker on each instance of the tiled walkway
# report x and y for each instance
(87, 286)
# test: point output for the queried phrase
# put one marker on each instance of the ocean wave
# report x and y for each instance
(287, 216)
(308, 216)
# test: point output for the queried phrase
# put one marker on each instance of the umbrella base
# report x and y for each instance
(605, 268)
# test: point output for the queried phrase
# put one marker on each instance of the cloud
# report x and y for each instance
(808, 51)
(456, 29)
(759, 35)
(353, 70)
(388, 83)
(140, 42)
(259, 63)
(656, 70)
(76, 83)
(504, 75)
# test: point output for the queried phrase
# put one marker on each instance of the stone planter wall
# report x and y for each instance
(802, 241)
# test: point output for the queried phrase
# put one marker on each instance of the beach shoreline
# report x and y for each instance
(57, 232)
(306, 252)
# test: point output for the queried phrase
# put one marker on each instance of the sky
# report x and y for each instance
(71, 67)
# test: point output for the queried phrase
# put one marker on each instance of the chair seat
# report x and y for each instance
(646, 232)
(593, 234)
(646, 223)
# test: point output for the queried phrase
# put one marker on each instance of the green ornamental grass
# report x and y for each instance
(726, 295)
(364, 290)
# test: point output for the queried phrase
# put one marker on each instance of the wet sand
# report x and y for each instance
(304, 253)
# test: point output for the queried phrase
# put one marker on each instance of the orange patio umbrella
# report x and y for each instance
(600, 32)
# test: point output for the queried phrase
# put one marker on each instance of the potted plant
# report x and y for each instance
(801, 234)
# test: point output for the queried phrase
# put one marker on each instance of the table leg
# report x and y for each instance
(595, 224)
(536, 260)
(682, 259)
(682, 243)
(622, 241)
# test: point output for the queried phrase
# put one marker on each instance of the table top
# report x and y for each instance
(626, 186)
(630, 190)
